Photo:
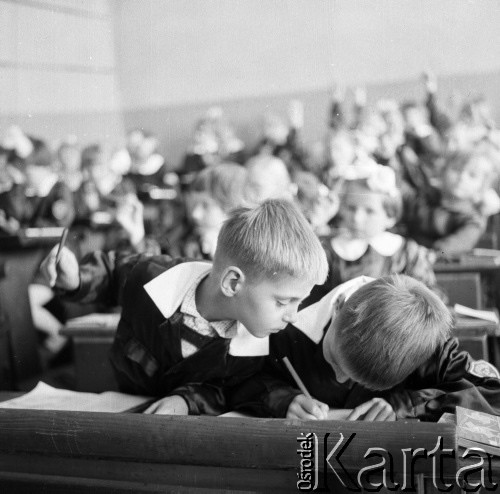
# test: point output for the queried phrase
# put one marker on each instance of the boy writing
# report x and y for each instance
(190, 329)
(386, 354)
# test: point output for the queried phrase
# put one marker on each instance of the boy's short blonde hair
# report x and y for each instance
(388, 328)
(271, 240)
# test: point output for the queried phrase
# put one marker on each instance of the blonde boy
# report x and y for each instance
(190, 329)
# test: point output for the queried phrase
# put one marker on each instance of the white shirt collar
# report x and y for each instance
(351, 249)
(313, 319)
(44, 187)
(168, 290)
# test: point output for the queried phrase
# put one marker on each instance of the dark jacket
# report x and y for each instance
(146, 353)
(449, 378)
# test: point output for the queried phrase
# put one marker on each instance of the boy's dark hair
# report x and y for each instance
(388, 328)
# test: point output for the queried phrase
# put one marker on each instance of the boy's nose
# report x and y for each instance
(290, 317)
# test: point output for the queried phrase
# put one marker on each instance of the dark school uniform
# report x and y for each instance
(447, 379)
(147, 351)
(449, 228)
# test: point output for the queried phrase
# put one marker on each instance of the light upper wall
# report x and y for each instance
(57, 64)
(179, 52)
(96, 67)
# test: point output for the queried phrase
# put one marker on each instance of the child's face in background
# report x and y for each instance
(466, 182)
(205, 141)
(275, 130)
(35, 175)
(363, 212)
(415, 117)
(266, 306)
(342, 153)
(205, 212)
(70, 158)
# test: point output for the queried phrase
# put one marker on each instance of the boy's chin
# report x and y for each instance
(265, 333)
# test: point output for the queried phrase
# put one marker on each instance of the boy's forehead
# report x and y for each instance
(287, 286)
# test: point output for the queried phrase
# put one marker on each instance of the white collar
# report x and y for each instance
(313, 319)
(44, 187)
(351, 249)
(148, 167)
(168, 290)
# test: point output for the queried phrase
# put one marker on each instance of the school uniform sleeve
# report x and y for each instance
(203, 399)
(450, 378)
(267, 394)
(463, 238)
(103, 276)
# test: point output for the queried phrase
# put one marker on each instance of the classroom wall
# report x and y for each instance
(98, 67)
(57, 68)
(176, 58)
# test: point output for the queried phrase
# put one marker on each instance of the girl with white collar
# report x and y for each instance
(370, 205)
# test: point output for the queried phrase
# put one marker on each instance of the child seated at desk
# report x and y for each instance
(385, 354)
(370, 204)
(213, 193)
(189, 329)
(452, 218)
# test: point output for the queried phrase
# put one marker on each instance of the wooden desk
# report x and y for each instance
(92, 343)
(470, 280)
(96, 452)
(478, 337)
(20, 257)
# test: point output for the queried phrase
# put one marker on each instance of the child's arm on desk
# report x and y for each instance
(449, 378)
(170, 405)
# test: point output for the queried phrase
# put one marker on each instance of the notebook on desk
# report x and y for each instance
(485, 315)
(92, 325)
(45, 397)
(478, 430)
(94, 320)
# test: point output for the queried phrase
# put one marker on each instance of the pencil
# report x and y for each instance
(61, 245)
(296, 377)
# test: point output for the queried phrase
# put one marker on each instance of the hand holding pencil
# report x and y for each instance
(303, 406)
(60, 267)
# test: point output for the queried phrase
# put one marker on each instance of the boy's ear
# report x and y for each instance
(232, 281)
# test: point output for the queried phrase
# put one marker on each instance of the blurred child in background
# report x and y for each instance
(283, 139)
(452, 218)
(268, 178)
(370, 205)
(318, 204)
(212, 195)
(69, 163)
